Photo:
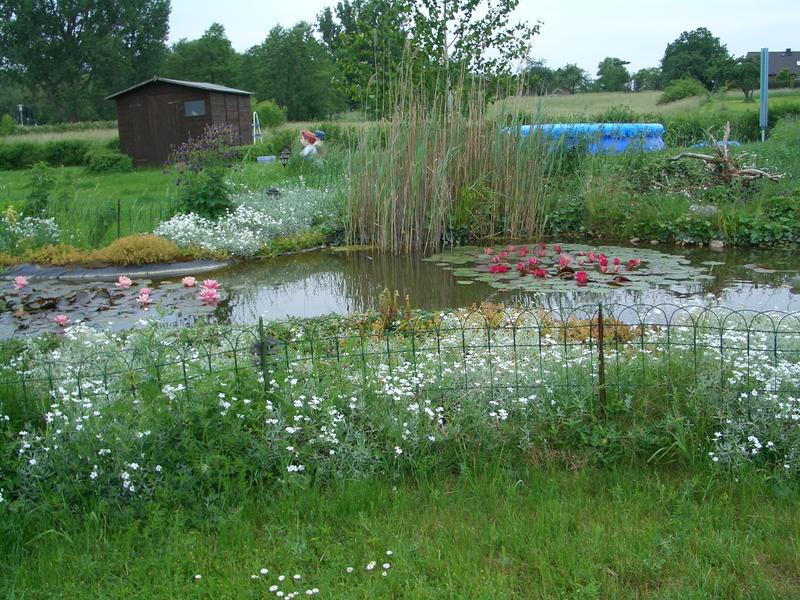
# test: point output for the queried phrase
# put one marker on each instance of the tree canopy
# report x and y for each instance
(693, 54)
(72, 53)
(612, 76)
(210, 58)
(293, 68)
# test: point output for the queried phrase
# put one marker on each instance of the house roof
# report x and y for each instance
(210, 87)
(783, 59)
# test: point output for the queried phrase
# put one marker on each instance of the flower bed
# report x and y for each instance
(253, 223)
(119, 415)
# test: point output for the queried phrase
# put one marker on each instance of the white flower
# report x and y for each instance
(264, 571)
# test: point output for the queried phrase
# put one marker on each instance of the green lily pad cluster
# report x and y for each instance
(561, 265)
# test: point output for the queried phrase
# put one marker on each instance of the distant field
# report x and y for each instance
(95, 135)
(641, 102)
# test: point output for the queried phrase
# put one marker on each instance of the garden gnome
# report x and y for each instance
(309, 142)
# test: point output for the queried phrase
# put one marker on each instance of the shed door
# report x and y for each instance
(163, 116)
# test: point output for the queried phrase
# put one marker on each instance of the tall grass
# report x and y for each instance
(444, 168)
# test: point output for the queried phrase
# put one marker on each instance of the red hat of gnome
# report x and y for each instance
(309, 137)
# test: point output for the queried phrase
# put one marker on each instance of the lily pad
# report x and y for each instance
(538, 268)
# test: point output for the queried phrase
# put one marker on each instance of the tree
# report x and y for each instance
(784, 78)
(210, 58)
(745, 75)
(692, 55)
(612, 76)
(537, 77)
(571, 78)
(72, 53)
(293, 68)
(647, 80)
(367, 41)
(477, 36)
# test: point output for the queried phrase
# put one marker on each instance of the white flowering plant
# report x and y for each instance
(19, 233)
(254, 221)
(118, 416)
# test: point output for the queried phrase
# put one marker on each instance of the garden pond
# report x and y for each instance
(338, 281)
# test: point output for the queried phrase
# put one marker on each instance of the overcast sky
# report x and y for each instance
(579, 31)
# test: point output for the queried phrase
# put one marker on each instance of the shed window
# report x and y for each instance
(194, 108)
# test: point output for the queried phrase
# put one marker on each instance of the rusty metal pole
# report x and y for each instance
(601, 357)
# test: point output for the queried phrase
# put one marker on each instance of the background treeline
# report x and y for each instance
(60, 60)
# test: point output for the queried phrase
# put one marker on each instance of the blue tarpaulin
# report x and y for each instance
(606, 138)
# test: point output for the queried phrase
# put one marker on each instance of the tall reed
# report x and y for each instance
(443, 168)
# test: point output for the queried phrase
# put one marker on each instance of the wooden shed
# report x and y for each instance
(159, 114)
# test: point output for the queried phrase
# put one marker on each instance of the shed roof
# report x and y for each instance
(211, 87)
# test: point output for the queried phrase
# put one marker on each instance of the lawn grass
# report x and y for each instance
(493, 531)
(94, 209)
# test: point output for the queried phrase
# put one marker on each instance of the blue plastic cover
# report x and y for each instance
(606, 138)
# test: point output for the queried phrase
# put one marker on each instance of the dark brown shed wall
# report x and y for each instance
(152, 119)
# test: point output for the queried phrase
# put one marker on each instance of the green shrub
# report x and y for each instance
(7, 125)
(270, 114)
(102, 161)
(202, 165)
(66, 153)
(20, 155)
(682, 88)
(112, 144)
(41, 183)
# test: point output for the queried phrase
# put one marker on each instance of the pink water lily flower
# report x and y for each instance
(523, 251)
(488, 250)
(211, 284)
(20, 282)
(189, 281)
(633, 263)
(123, 282)
(563, 261)
(557, 248)
(539, 273)
(144, 296)
(532, 261)
(61, 320)
(582, 277)
(209, 295)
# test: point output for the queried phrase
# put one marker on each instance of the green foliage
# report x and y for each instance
(612, 76)
(785, 78)
(42, 182)
(270, 114)
(210, 58)
(293, 68)
(647, 80)
(103, 161)
(694, 54)
(571, 78)
(202, 165)
(7, 125)
(66, 153)
(367, 41)
(682, 88)
(83, 51)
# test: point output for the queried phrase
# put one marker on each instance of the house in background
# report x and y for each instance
(778, 61)
(160, 114)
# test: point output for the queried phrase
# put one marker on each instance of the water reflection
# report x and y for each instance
(325, 282)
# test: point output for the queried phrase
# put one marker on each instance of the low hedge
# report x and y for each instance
(60, 153)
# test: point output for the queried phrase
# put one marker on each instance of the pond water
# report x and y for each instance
(323, 282)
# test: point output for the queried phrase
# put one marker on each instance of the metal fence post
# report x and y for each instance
(262, 351)
(119, 218)
(601, 357)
